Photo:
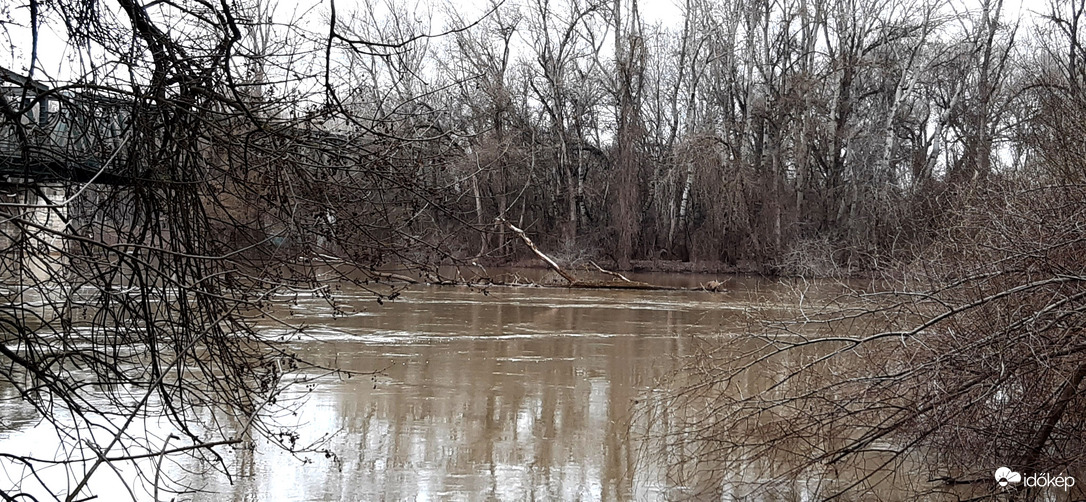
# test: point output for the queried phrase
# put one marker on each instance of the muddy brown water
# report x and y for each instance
(502, 393)
(508, 394)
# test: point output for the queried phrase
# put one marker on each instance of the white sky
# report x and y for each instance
(55, 56)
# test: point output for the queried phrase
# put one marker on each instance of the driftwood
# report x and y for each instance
(622, 285)
(714, 286)
(332, 261)
(389, 276)
(546, 259)
(573, 281)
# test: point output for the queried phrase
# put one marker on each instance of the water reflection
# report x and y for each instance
(500, 394)
(519, 393)
(496, 394)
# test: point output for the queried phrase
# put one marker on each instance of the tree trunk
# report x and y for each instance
(629, 62)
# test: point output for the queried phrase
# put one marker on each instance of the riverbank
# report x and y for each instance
(652, 266)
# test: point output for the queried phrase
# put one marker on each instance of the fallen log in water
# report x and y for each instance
(623, 285)
(546, 259)
(573, 282)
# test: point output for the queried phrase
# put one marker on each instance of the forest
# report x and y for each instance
(778, 137)
(824, 138)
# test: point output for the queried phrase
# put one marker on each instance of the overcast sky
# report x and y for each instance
(54, 53)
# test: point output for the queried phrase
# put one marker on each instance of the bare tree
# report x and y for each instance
(630, 63)
(965, 358)
(970, 364)
(199, 163)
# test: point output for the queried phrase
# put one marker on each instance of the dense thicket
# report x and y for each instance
(770, 134)
(965, 357)
(160, 191)
(773, 135)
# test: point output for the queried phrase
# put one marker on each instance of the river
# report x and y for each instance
(498, 393)
(503, 394)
